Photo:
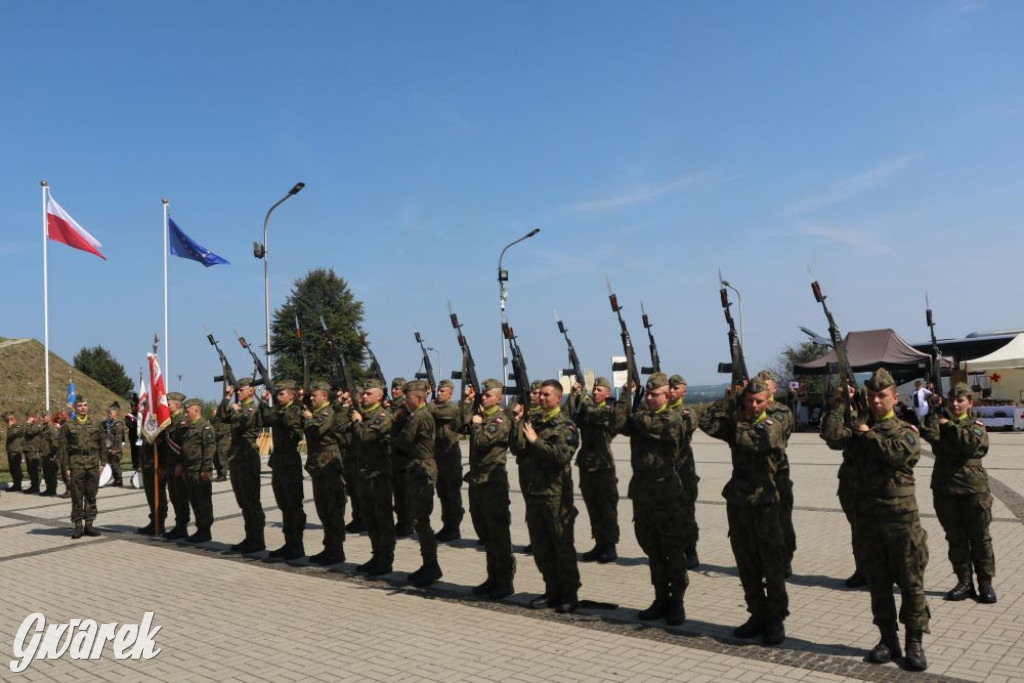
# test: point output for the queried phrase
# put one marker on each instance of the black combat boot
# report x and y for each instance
(963, 589)
(915, 660)
(297, 551)
(675, 614)
(754, 626)
(367, 566)
(658, 608)
(774, 632)
(447, 534)
(79, 530)
(549, 599)
(856, 580)
(888, 647)
(428, 574)
(176, 533)
(501, 590)
(355, 527)
(380, 567)
(279, 552)
(568, 603)
(90, 530)
(692, 561)
(328, 557)
(986, 593)
(592, 554)
(485, 587)
(145, 530)
(608, 554)
(255, 546)
(200, 536)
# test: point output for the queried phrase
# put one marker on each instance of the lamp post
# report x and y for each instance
(259, 250)
(739, 305)
(439, 372)
(503, 289)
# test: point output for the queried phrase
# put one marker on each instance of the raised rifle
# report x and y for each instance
(375, 370)
(468, 373)
(844, 369)
(428, 368)
(632, 376)
(518, 374)
(655, 358)
(574, 361)
(737, 365)
(227, 375)
(307, 389)
(263, 377)
(936, 364)
(343, 375)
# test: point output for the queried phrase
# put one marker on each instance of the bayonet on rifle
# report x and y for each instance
(262, 376)
(468, 373)
(428, 368)
(576, 368)
(655, 358)
(632, 375)
(737, 365)
(844, 370)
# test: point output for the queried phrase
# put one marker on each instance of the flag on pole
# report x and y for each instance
(184, 246)
(142, 414)
(60, 227)
(71, 396)
(159, 412)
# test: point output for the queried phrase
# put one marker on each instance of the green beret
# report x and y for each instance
(880, 379)
(79, 398)
(490, 384)
(244, 382)
(320, 385)
(445, 383)
(602, 382)
(961, 389)
(290, 385)
(535, 385)
(676, 381)
(766, 376)
(194, 402)
(176, 396)
(415, 385)
(114, 406)
(396, 382)
(657, 380)
(373, 384)
(755, 386)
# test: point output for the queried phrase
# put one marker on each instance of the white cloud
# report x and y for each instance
(645, 193)
(847, 188)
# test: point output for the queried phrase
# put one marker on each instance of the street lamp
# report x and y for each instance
(502, 279)
(439, 372)
(259, 250)
(739, 305)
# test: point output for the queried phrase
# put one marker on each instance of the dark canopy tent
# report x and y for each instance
(873, 349)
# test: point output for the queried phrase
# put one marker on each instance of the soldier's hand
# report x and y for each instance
(577, 387)
(228, 391)
(204, 477)
(529, 432)
(862, 428)
(67, 473)
(517, 412)
(306, 414)
(356, 416)
(478, 419)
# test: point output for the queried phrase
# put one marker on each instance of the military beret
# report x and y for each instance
(290, 385)
(30, 413)
(194, 402)
(396, 382)
(657, 380)
(245, 382)
(445, 383)
(602, 382)
(535, 384)
(374, 384)
(960, 389)
(492, 384)
(114, 406)
(176, 396)
(320, 385)
(79, 398)
(676, 381)
(415, 385)
(755, 386)
(880, 379)
(766, 376)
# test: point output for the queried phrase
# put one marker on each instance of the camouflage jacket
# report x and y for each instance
(286, 423)
(198, 445)
(488, 446)
(117, 434)
(446, 420)
(684, 458)
(31, 436)
(654, 439)
(780, 412)
(50, 442)
(543, 463)
(169, 441)
(834, 433)
(598, 425)
(371, 443)
(245, 426)
(342, 422)
(15, 438)
(958, 445)
(399, 419)
(756, 447)
(322, 451)
(83, 443)
(417, 439)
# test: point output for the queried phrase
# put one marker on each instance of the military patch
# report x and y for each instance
(491, 429)
(909, 436)
(498, 420)
(979, 423)
(913, 428)
(977, 432)
(768, 421)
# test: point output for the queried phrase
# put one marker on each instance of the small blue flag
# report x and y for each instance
(184, 246)
(71, 395)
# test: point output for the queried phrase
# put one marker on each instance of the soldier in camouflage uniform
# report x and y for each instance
(516, 446)
(655, 434)
(117, 434)
(892, 546)
(686, 467)
(488, 486)
(832, 425)
(15, 450)
(399, 459)
(50, 443)
(286, 424)
(244, 467)
(342, 407)
(963, 502)
(598, 424)
(780, 412)
(370, 444)
(169, 443)
(222, 428)
(546, 444)
(417, 439)
(449, 462)
(33, 429)
(155, 485)
(756, 442)
(83, 448)
(323, 462)
(198, 449)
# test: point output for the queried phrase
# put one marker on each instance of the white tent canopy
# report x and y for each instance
(1004, 358)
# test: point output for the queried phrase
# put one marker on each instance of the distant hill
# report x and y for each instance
(705, 393)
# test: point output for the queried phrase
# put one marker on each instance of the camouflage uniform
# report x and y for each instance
(222, 428)
(198, 449)
(32, 432)
(399, 468)
(780, 412)
(448, 456)
(117, 434)
(549, 519)
(752, 507)
(285, 464)
(963, 502)
(15, 451)
(323, 462)
(416, 438)
(83, 447)
(50, 443)
(686, 468)
(371, 446)
(245, 467)
(156, 490)
(834, 435)
(349, 464)
(169, 443)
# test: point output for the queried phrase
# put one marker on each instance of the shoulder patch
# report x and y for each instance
(979, 423)
(498, 420)
(911, 439)
(913, 428)
(768, 421)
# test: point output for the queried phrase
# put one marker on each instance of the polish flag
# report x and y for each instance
(159, 411)
(60, 227)
(142, 416)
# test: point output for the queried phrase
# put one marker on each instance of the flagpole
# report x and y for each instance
(167, 338)
(46, 303)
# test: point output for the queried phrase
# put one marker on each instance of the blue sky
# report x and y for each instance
(877, 143)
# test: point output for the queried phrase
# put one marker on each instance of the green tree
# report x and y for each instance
(804, 352)
(319, 293)
(96, 362)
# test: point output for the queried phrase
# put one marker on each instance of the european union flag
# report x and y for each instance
(184, 246)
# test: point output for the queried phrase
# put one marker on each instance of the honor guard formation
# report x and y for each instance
(390, 452)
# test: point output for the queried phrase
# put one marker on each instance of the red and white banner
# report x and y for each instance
(159, 412)
(61, 227)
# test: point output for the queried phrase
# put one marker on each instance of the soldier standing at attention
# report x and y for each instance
(15, 449)
(222, 428)
(892, 546)
(780, 412)
(285, 421)
(198, 449)
(686, 467)
(156, 499)
(370, 434)
(83, 447)
(245, 465)
(169, 444)
(399, 459)
(449, 462)
(117, 434)
(598, 424)
(756, 442)
(832, 432)
(323, 462)
(963, 502)
(656, 490)
(417, 438)
(33, 429)
(489, 502)
(546, 444)
(342, 408)
(50, 451)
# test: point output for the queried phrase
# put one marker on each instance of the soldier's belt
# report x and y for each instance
(654, 473)
(892, 491)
